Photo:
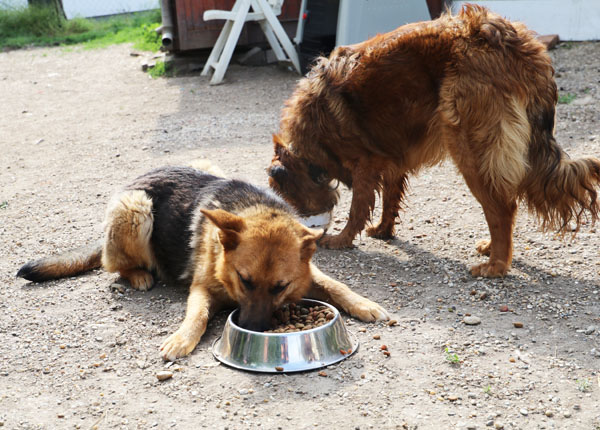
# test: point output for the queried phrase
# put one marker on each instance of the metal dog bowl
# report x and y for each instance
(285, 352)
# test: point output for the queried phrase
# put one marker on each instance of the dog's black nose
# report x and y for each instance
(277, 172)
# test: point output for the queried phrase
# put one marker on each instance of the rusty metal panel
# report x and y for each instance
(192, 32)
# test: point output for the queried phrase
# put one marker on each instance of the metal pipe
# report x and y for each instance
(166, 28)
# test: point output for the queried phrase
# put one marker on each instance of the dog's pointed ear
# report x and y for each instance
(309, 239)
(278, 145)
(229, 225)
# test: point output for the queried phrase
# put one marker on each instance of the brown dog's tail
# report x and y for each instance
(59, 266)
(561, 191)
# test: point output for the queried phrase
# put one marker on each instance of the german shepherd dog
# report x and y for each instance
(473, 86)
(230, 242)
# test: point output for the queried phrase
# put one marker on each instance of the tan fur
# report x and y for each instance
(472, 86)
(128, 228)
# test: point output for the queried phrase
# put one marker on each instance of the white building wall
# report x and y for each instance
(570, 19)
(91, 8)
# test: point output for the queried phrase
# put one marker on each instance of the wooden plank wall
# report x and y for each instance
(192, 32)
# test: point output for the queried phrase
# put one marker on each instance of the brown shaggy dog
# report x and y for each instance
(473, 86)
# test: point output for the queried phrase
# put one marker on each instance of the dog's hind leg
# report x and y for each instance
(500, 215)
(128, 228)
(364, 184)
(394, 187)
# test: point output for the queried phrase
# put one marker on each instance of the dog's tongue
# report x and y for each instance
(317, 221)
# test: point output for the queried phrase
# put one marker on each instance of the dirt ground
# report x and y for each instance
(82, 352)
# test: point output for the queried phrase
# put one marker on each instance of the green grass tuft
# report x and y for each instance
(162, 69)
(566, 98)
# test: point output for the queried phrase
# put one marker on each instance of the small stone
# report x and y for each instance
(392, 323)
(567, 414)
(524, 412)
(498, 426)
(591, 329)
(503, 308)
(549, 413)
(472, 320)
(453, 398)
(518, 324)
(376, 337)
(512, 359)
(489, 423)
(577, 407)
(163, 375)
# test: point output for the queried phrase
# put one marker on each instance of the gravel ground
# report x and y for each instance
(83, 352)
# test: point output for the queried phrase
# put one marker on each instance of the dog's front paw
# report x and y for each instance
(496, 269)
(368, 311)
(179, 344)
(335, 242)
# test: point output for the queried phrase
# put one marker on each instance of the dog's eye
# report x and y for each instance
(247, 283)
(278, 288)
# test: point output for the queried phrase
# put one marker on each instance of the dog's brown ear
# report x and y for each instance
(229, 226)
(309, 242)
(278, 144)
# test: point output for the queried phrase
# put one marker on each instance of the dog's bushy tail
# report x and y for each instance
(559, 190)
(60, 266)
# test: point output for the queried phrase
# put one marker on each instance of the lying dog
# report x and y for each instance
(473, 86)
(230, 242)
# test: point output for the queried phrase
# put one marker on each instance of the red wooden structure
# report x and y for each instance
(192, 32)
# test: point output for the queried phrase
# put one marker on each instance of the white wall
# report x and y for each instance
(90, 8)
(570, 19)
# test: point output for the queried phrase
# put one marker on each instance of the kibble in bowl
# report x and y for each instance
(305, 336)
(298, 317)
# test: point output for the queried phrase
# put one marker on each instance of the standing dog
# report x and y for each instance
(229, 241)
(473, 86)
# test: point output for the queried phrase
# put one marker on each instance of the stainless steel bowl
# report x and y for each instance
(285, 352)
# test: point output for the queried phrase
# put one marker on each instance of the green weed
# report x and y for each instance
(584, 385)
(566, 98)
(451, 357)
(162, 69)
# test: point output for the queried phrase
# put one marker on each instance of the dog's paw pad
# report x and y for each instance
(141, 280)
(177, 345)
(369, 311)
(490, 270)
(380, 232)
(335, 242)
(483, 246)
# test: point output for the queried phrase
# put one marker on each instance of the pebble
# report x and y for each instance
(549, 413)
(503, 308)
(591, 329)
(524, 412)
(518, 324)
(498, 426)
(163, 375)
(567, 414)
(472, 320)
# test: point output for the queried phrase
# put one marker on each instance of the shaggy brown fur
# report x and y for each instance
(473, 86)
(229, 242)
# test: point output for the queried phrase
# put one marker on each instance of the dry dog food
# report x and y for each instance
(296, 317)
